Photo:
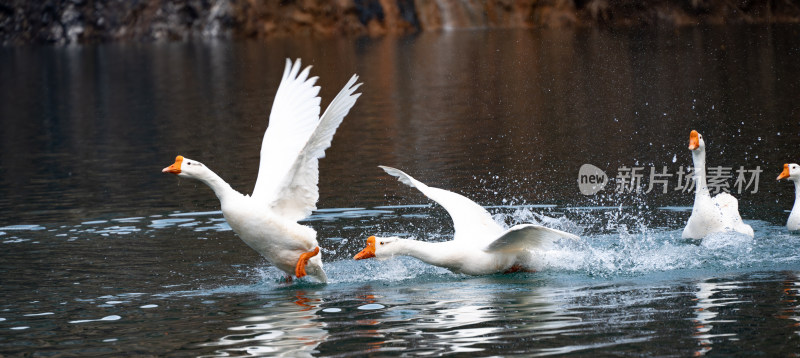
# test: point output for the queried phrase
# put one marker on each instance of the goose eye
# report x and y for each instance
(381, 242)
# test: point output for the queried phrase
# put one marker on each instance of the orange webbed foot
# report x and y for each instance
(300, 269)
(518, 268)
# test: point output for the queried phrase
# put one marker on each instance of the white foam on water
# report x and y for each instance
(164, 223)
(106, 318)
(38, 314)
(22, 228)
(197, 213)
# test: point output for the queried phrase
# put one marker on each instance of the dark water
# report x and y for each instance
(102, 254)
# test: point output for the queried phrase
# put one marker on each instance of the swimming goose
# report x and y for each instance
(710, 215)
(480, 246)
(286, 188)
(792, 172)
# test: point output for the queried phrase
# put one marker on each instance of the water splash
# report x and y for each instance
(350, 271)
(616, 242)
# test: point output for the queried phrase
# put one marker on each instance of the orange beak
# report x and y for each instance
(368, 251)
(784, 173)
(694, 140)
(175, 168)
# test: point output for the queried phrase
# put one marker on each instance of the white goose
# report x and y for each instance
(480, 246)
(286, 188)
(792, 172)
(710, 215)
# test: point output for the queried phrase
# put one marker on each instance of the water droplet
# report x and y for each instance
(371, 306)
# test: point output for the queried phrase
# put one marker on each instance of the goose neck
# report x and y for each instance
(429, 252)
(699, 162)
(797, 192)
(220, 187)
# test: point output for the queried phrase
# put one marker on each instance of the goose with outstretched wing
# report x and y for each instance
(480, 246)
(286, 188)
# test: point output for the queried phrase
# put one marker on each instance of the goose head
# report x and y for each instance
(790, 171)
(380, 247)
(187, 168)
(696, 141)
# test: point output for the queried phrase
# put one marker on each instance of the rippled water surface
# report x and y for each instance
(102, 254)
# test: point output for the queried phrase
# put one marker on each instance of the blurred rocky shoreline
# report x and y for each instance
(86, 21)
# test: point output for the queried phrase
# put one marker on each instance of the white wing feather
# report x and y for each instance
(471, 221)
(729, 213)
(526, 237)
(294, 116)
(297, 195)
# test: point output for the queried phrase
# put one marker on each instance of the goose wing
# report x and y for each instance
(526, 237)
(471, 221)
(296, 195)
(729, 212)
(294, 116)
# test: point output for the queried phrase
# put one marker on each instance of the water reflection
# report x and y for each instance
(499, 108)
(285, 329)
(710, 298)
(427, 319)
(791, 289)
